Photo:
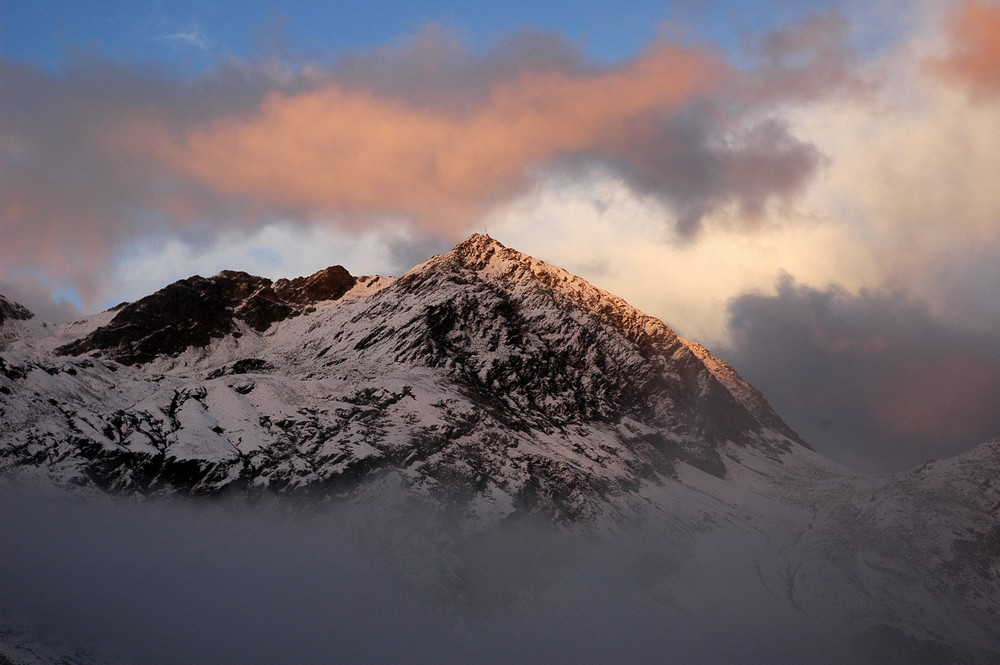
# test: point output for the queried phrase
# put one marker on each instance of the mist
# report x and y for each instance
(180, 581)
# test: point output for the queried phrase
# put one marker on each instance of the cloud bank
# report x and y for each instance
(973, 57)
(174, 582)
(873, 380)
(331, 150)
(424, 134)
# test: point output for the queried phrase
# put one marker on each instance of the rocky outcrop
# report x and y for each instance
(10, 310)
(193, 311)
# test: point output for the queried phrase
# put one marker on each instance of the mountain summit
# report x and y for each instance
(482, 376)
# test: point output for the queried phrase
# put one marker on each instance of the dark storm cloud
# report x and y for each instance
(680, 159)
(727, 148)
(809, 60)
(873, 380)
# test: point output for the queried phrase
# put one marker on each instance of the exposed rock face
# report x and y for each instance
(327, 284)
(193, 311)
(10, 310)
(13, 318)
(743, 392)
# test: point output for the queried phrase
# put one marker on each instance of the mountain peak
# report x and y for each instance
(478, 249)
(11, 314)
(478, 242)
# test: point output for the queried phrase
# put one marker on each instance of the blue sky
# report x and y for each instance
(196, 35)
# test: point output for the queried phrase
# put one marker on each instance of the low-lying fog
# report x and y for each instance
(192, 582)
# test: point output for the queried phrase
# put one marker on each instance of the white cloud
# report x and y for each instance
(911, 175)
(617, 238)
(906, 202)
(276, 250)
(191, 36)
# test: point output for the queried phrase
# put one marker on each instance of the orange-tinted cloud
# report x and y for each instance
(335, 149)
(973, 60)
(99, 158)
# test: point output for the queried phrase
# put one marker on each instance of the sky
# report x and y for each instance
(807, 188)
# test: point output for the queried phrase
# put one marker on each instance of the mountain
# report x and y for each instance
(490, 388)
(521, 385)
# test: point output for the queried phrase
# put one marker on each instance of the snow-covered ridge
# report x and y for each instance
(13, 311)
(18, 323)
(483, 335)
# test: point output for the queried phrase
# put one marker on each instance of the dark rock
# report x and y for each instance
(194, 311)
(327, 284)
(242, 366)
(11, 310)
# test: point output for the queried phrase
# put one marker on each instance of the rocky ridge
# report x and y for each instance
(13, 311)
(193, 311)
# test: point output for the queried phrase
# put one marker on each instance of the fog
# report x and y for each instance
(212, 582)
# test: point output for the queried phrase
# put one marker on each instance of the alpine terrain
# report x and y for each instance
(481, 392)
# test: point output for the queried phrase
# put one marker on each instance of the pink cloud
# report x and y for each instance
(973, 58)
(101, 156)
(334, 149)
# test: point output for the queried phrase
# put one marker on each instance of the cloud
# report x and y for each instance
(68, 194)
(810, 60)
(377, 583)
(973, 57)
(907, 174)
(874, 380)
(46, 303)
(100, 156)
(695, 165)
(334, 150)
(191, 36)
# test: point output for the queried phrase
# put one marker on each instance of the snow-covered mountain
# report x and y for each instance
(484, 375)
(490, 385)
